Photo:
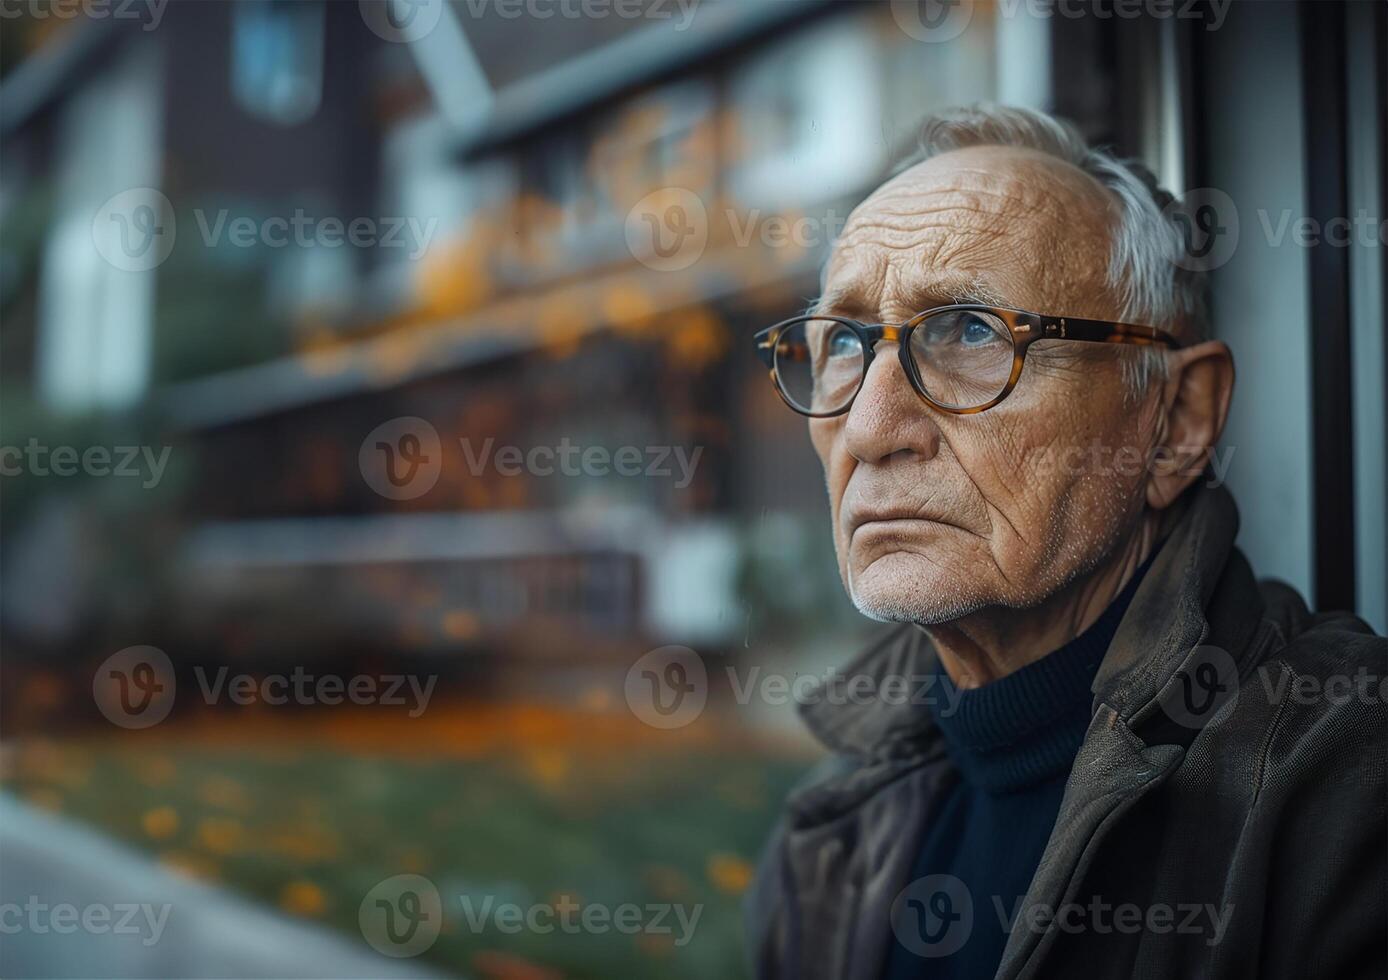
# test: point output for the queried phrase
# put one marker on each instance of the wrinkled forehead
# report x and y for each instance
(997, 225)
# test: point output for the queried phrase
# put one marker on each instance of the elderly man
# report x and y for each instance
(1120, 754)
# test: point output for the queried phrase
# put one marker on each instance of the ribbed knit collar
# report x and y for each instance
(1025, 728)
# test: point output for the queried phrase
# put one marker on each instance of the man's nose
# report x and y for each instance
(888, 417)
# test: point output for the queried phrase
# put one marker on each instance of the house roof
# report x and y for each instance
(564, 77)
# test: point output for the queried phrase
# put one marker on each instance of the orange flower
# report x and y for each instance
(729, 873)
(160, 823)
(302, 898)
(220, 835)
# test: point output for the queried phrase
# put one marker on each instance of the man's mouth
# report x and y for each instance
(889, 520)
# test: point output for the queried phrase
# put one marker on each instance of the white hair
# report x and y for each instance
(1149, 269)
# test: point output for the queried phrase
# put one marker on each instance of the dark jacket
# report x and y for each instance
(1229, 794)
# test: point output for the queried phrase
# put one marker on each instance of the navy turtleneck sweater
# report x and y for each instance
(1013, 742)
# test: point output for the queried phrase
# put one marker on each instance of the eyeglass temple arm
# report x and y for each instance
(766, 346)
(1099, 331)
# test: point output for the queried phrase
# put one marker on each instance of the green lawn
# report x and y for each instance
(311, 831)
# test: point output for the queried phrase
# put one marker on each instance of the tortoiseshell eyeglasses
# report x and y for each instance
(960, 359)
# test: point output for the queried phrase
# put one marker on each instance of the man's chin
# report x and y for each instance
(902, 587)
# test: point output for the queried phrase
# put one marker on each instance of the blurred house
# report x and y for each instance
(530, 172)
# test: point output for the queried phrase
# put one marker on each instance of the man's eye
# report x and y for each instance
(844, 343)
(975, 332)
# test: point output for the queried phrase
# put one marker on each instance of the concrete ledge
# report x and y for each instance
(173, 928)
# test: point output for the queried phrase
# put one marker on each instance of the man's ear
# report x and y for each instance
(1194, 407)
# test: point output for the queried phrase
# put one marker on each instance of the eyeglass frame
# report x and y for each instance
(1026, 328)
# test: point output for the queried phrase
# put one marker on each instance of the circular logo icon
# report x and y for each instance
(667, 229)
(668, 687)
(933, 916)
(401, 459)
(1209, 224)
(135, 230)
(401, 916)
(1207, 681)
(401, 21)
(135, 687)
(933, 21)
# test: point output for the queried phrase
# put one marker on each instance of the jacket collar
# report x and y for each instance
(873, 726)
(1200, 594)
(1163, 625)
